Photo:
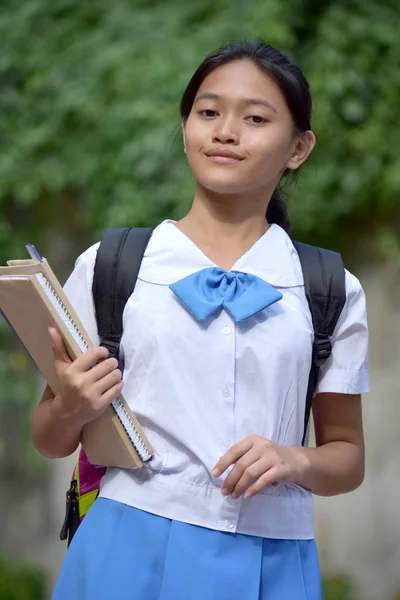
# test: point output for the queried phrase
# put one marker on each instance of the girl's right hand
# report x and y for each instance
(87, 385)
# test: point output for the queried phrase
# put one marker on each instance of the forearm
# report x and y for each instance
(331, 469)
(54, 436)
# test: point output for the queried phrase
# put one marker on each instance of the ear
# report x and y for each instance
(303, 147)
(183, 134)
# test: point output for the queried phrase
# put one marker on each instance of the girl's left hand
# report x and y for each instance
(258, 463)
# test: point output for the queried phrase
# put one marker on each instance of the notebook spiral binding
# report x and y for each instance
(117, 405)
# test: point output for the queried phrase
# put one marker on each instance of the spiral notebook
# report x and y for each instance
(31, 299)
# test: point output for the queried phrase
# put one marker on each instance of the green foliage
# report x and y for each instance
(338, 587)
(15, 367)
(89, 100)
(21, 582)
(353, 179)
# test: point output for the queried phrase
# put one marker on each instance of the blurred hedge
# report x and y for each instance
(89, 96)
(19, 581)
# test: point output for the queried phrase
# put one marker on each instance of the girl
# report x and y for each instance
(217, 351)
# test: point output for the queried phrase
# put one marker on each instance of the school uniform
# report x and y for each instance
(206, 363)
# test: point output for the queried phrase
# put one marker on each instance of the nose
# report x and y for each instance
(225, 132)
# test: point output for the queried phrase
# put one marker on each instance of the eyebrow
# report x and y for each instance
(247, 101)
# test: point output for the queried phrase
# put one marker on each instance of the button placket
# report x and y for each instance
(230, 508)
(228, 331)
(230, 514)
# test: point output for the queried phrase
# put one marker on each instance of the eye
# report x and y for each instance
(208, 113)
(257, 120)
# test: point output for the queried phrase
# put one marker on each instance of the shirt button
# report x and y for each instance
(230, 526)
(226, 330)
(226, 391)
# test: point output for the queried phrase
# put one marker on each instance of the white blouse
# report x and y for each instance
(197, 388)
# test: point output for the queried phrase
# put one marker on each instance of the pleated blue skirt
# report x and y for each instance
(123, 553)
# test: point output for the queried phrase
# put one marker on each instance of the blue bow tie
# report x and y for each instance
(241, 294)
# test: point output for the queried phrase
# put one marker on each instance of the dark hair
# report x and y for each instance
(285, 74)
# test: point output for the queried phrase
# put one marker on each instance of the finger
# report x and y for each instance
(275, 474)
(244, 463)
(111, 394)
(102, 369)
(106, 383)
(88, 359)
(61, 357)
(250, 476)
(232, 456)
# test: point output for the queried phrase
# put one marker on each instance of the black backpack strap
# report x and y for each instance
(115, 273)
(325, 289)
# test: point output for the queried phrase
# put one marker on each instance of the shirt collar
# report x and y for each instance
(171, 255)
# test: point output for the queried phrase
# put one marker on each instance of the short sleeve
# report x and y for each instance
(346, 371)
(78, 289)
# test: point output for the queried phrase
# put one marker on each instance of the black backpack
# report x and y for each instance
(115, 273)
(117, 266)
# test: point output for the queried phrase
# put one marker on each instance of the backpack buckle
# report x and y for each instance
(322, 349)
(112, 347)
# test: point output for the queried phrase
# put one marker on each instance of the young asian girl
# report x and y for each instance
(217, 350)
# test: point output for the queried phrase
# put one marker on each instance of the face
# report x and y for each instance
(240, 135)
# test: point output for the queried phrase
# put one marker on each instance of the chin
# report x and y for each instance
(225, 190)
(223, 185)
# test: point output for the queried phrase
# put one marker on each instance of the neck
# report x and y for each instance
(222, 218)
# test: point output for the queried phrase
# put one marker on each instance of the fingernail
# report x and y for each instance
(225, 492)
(215, 472)
(235, 496)
(248, 495)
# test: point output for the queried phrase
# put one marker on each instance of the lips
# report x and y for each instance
(223, 156)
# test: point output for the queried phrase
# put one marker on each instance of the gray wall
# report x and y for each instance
(359, 532)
